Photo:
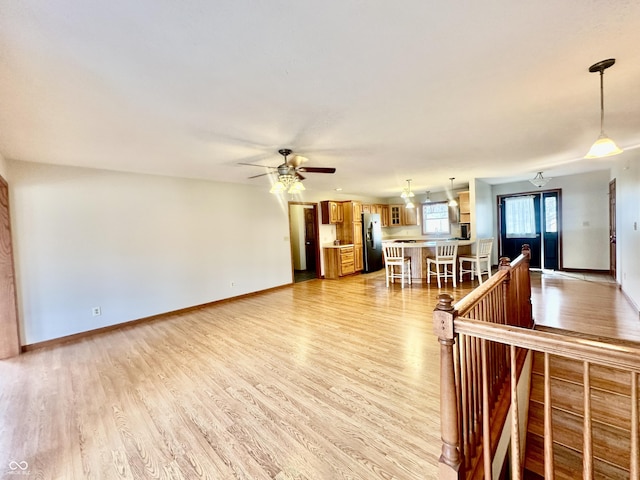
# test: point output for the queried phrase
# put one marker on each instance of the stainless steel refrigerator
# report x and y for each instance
(372, 242)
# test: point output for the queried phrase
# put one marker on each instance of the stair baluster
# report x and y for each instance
(548, 426)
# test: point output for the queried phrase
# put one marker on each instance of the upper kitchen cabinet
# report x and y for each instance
(409, 216)
(465, 207)
(356, 208)
(395, 215)
(380, 209)
(384, 215)
(332, 212)
(400, 215)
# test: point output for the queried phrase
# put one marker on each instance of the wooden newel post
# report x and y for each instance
(505, 264)
(450, 459)
(527, 312)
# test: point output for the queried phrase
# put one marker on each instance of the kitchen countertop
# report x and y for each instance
(426, 242)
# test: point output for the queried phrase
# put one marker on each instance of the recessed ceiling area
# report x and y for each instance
(382, 91)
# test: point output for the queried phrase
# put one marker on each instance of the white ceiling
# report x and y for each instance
(383, 91)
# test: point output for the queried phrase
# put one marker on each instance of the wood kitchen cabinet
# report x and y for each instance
(409, 216)
(339, 261)
(395, 215)
(358, 259)
(465, 207)
(400, 215)
(332, 212)
(384, 215)
(349, 232)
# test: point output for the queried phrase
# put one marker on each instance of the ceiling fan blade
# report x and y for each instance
(260, 175)
(255, 165)
(297, 160)
(317, 169)
(300, 177)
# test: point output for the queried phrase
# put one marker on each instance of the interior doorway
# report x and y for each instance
(304, 235)
(532, 218)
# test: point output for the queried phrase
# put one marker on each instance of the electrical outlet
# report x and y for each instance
(233, 284)
(97, 311)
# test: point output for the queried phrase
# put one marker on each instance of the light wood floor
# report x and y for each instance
(322, 380)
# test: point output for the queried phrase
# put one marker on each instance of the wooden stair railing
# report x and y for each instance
(480, 338)
(474, 373)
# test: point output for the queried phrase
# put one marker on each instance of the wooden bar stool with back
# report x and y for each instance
(396, 265)
(446, 253)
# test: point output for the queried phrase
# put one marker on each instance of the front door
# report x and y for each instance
(612, 228)
(533, 219)
(520, 224)
(550, 234)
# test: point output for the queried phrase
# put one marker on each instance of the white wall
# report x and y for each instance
(135, 245)
(626, 172)
(482, 202)
(585, 217)
(483, 219)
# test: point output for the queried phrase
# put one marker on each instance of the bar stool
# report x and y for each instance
(446, 252)
(480, 263)
(394, 257)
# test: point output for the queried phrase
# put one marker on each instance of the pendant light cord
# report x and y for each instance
(601, 102)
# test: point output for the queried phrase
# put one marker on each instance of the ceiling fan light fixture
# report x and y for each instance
(287, 183)
(453, 202)
(277, 187)
(539, 181)
(603, 146)
(296, 187)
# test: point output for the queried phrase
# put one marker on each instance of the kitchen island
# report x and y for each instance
(420, 250)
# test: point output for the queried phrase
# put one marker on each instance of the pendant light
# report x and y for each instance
(452, 202)
(406, 192)
(539, 181)
(408, 195)
(603, 146)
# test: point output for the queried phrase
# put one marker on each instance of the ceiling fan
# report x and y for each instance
(292, 166)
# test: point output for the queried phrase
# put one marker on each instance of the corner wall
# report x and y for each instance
(626, 172)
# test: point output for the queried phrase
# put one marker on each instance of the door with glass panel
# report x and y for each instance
(533, 219)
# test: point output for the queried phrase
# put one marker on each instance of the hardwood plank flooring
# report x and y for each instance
(323, 380)
(602, 309)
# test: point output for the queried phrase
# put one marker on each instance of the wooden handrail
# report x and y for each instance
(480, 338)
(623, 356)
(480, 292)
